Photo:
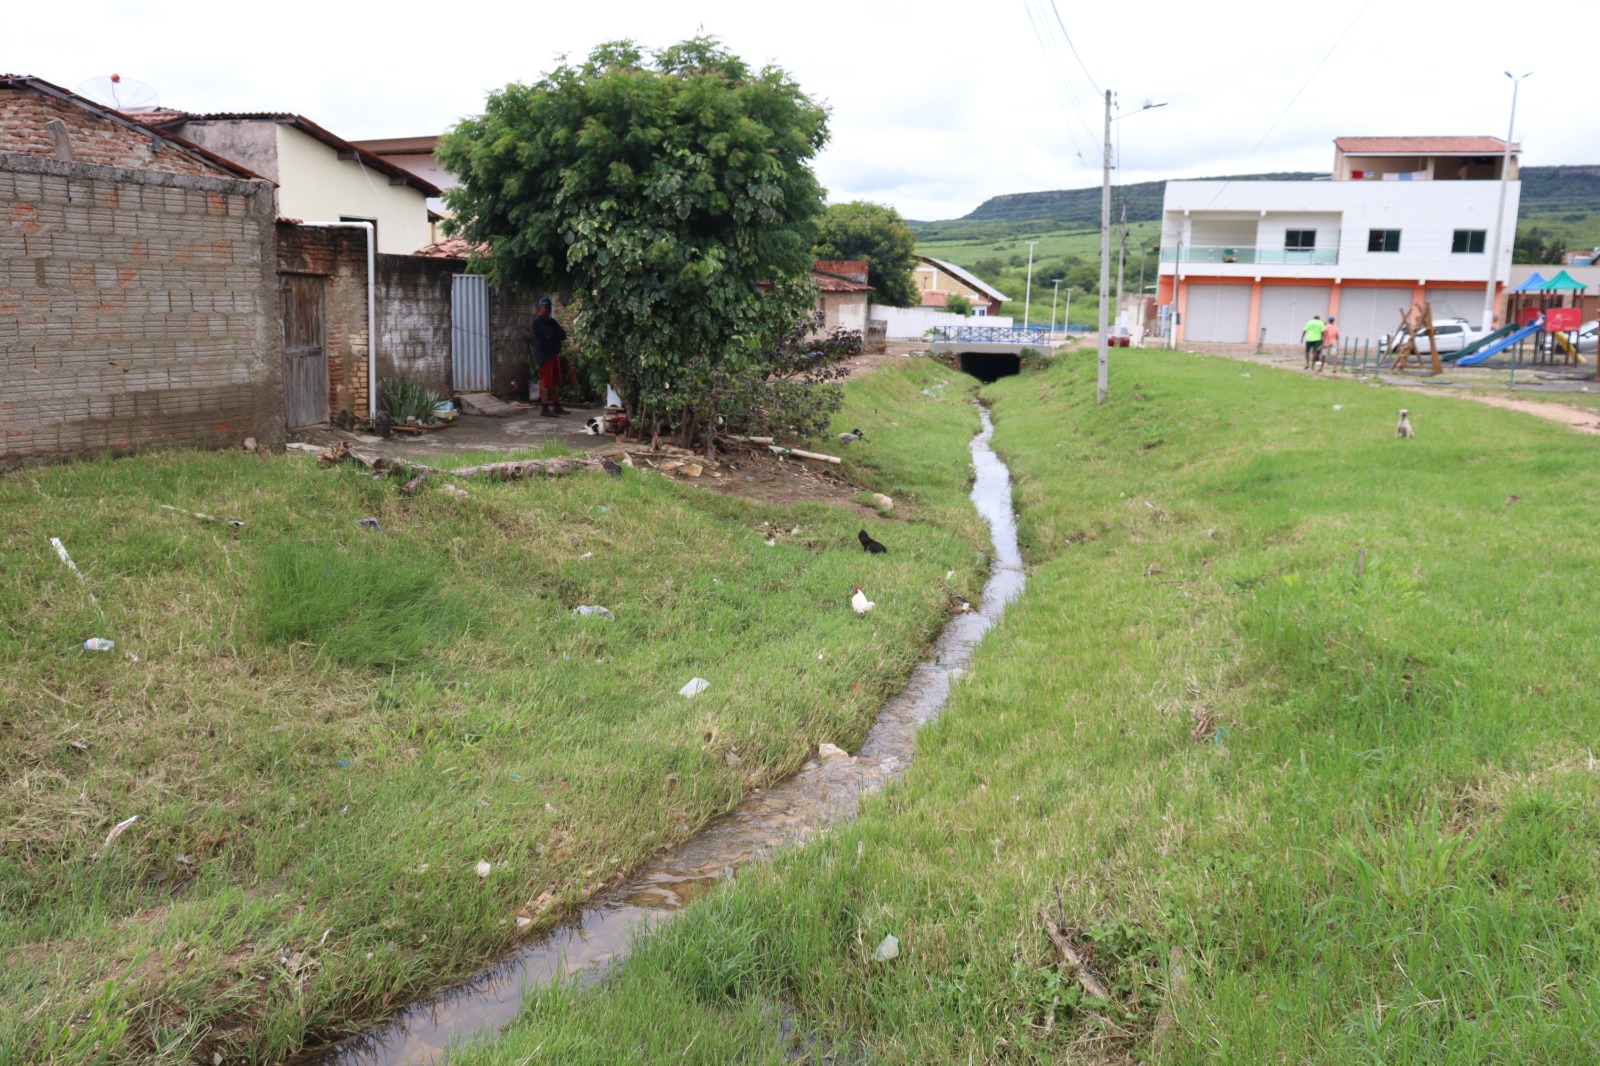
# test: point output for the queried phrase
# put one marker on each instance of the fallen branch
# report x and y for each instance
(797, 453)
(234, 522)
(1075, 965)
(748, 440)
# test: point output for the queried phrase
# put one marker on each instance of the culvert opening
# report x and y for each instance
(990, 366)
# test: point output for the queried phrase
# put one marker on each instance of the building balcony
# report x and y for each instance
(1259, 256)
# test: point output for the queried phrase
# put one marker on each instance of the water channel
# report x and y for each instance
(823, 791)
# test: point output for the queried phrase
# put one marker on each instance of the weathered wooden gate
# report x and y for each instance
(305, 349)
(469, 333)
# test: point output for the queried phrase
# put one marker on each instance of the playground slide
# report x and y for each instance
(1500, 334)
(1501, 345)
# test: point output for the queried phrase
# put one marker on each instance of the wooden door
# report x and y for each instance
(305, 349)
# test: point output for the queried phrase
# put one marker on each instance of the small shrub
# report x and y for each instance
(407, 399)
(370, 606)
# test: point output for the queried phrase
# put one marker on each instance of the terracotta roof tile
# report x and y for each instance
(1421, 145)
(454, 248)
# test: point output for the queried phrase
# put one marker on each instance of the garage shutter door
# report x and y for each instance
(1217, 313)
(1367, 314)
(1285, 309)
(1456, 303)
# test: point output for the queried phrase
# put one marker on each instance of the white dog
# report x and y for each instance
(1404, 430)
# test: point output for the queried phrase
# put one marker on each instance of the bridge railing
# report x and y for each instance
(1036, 335)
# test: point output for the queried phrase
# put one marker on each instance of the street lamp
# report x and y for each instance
(1028, 295)
(1103, 386)
(1500, 217)
(1055, 292)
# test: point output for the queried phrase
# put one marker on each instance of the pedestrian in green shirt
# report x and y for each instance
(1312, 335)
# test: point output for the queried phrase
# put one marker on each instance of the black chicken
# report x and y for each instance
(870, 545)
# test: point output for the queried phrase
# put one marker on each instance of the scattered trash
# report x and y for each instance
(695, 686)
(370, 523)
(185, 860)
(603, 509)
(61, 550)
(1244, 375)
(948, 574)
(795, 532)
(731, 759)
(128, 655)
(80, 745)
(234, 522)
(117, 830)
(482, 869)
(771, 543)
(516, 777)
(250, 444)
(882, 502)
(454, 490)
(888, 948)
(523, 921)
(587, 555)
(1338, 407)
(216, 1058)
(831, 751)
(302, 447)
(591, 610)
(99, 644)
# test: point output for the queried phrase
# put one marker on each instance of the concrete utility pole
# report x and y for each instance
(1028, 295)
(1102, 385)
(1055, 292)
(1066, 317)
(1122, 254)
(1500, 216)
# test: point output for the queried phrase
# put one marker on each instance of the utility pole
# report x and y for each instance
(1028, 295)
(1055, 292)
(1102, 386)
(1066, 318)
(1500, 216)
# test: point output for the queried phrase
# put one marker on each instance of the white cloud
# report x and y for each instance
(935, 106)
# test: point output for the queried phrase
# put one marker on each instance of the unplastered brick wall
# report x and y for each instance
(510, 314)
(24, 114)
(136, 307)
(339, 254)
(414, 318)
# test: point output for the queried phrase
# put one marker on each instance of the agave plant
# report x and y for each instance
(406, 400)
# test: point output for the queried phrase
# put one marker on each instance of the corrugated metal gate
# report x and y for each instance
(1217, 313)
(305, 349)
(469, 333)
(1285, 310)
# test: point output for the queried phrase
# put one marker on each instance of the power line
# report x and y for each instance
(1081, 65)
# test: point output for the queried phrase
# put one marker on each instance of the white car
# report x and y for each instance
(1454, 334)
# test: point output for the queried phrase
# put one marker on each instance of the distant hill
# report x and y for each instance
(1561, 199)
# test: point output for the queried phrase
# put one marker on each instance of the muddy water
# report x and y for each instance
(822, 791)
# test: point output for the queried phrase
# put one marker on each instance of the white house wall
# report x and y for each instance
(1426, 212)
(316, 185)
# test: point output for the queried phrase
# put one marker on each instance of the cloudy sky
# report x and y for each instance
(936, 106)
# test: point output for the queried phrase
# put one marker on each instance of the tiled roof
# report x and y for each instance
(977, 283)
(833, 283)
(934, 298)
(1421, 145)
(454, 248)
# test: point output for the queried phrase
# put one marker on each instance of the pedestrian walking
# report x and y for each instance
(1330, 347)
(1312, 335)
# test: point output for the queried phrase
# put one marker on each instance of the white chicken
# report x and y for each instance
(860, 602)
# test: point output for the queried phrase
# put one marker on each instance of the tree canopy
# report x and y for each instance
(876, 233)
(670, 193)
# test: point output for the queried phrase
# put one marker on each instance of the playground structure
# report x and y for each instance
(1537, 307)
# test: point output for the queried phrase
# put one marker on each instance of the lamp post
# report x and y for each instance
(1066, 316)
(1027, 295)
(1054, 293)
(1102, 387)
(1500, 216)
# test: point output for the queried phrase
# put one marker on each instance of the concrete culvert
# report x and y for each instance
(990, 366)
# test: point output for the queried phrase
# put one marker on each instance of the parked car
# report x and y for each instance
(1118, 337)
(1453, 334)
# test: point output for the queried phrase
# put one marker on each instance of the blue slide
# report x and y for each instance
(1501, 345)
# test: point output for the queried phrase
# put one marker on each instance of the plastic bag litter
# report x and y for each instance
(482, 869)
(98, 644)
(695, 686)
(591, 610)
(888, 948)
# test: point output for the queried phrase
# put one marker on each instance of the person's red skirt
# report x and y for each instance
(550, 373)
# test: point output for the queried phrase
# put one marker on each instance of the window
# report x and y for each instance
(1383, 240)
(1467, 241)
(1305, 239)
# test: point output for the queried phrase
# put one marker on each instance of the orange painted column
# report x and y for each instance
(1181, 330)
(1333, 299)
(1419, 295)
(1255, 313)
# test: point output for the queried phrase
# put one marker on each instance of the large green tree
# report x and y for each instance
(671, 193)
(876, 233)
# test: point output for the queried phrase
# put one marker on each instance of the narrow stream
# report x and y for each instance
(822, 791)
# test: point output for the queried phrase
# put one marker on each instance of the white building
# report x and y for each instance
(1403, 220)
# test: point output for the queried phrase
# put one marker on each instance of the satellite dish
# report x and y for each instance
(122, 94)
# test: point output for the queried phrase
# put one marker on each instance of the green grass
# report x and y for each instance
(323, 728)
(1317, 817)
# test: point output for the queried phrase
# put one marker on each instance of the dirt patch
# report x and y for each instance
(1574, 417)
(762, 476)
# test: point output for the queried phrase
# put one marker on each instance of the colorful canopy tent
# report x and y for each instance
(1562, 282)
(1532, 283)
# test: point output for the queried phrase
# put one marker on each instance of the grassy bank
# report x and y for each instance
(1295, 812)
(323, 728)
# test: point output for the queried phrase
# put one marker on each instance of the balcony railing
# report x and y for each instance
(1260, 256)
(1039, 335)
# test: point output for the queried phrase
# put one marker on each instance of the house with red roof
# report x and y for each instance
(842, 293)
(1400, 221)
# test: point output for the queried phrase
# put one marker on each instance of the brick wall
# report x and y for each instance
(414, 318)
(23, 114)
(136, 307)
(338, 253)
(510, 312)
